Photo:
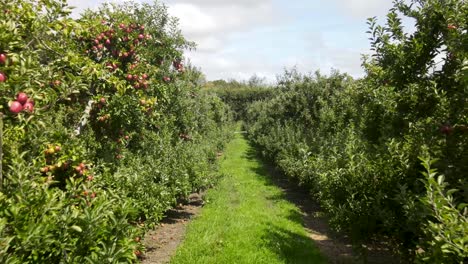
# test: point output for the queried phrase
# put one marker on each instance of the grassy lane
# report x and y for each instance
(246, 219)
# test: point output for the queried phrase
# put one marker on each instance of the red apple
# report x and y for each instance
(3, 58)
(16, 107)
(2, 77)
(28, 107)
(446, 129)
(22, 98)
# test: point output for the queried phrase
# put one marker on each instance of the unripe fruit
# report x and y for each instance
(2, 77)
(50, 151)
(16, 107)
(82, 166)
(127, 137)
(28, 107)
(3, 58)
(78, 169)
(102, 100)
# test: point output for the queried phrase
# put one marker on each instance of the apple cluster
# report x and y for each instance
(22, 103)
(3, 61)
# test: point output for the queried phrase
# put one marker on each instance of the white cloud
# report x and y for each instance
(363, 8)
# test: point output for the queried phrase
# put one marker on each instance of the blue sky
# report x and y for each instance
(237, 39)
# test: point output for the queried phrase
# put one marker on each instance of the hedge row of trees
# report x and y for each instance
(385, 155)
(104, 128)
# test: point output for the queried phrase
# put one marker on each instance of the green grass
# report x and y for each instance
(246, 219)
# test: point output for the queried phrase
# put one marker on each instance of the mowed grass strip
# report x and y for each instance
(246, 218)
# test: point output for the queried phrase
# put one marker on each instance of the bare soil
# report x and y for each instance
(162, 242)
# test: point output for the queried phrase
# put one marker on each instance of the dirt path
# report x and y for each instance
(162, 242)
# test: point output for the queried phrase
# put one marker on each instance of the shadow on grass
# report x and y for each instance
(292, 247)
(336, 247)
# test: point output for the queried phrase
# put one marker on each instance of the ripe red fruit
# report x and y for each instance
(102, 100)
(166, 78)
(141, 36)
(100, 46)
(96, 41)
(108, 42)
(3, 58)
(122, 25)
(129, 77)
(451, 26)
(78, 169)
(446, 129)
(144, 76)
(82, 166)
(22, 98)
(28, 107)
(2, 77)
(16, 107)
(127, 137)
(58, 148)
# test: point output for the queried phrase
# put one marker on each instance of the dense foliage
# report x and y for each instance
(357, 143)
(239, 95)
(103, 129)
